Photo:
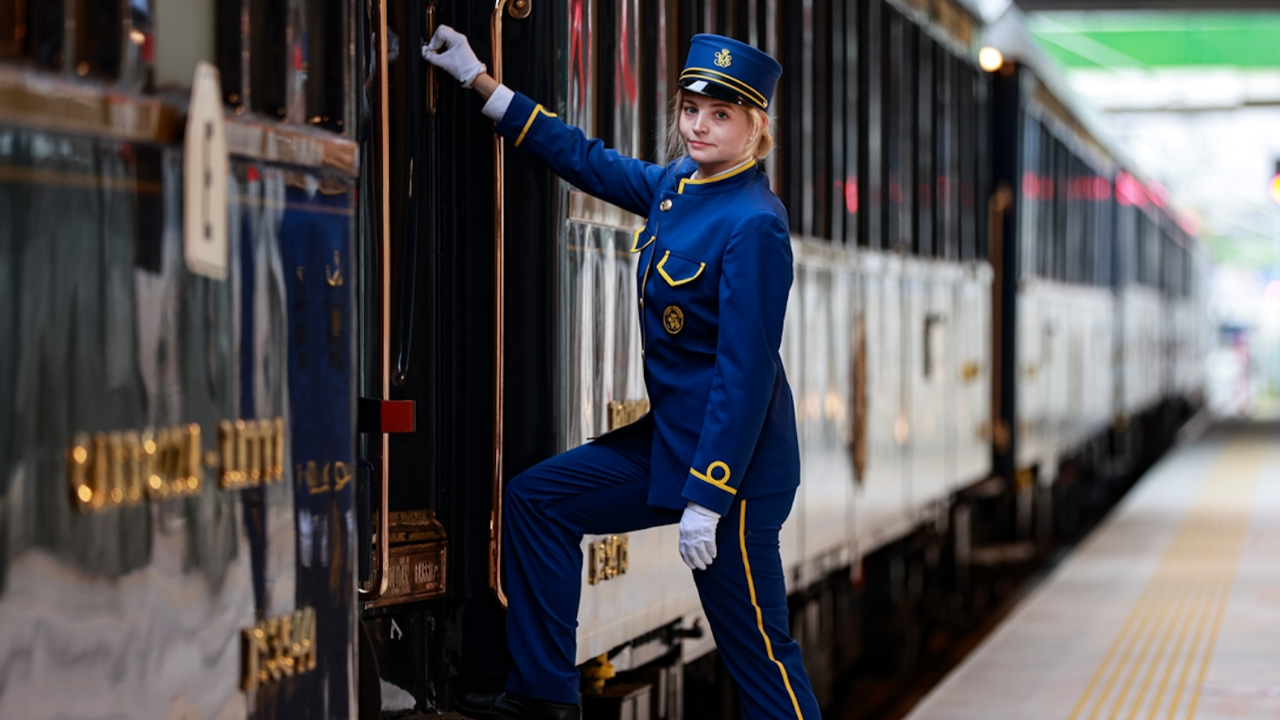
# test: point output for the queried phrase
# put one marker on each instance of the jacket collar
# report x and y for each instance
(729, 179)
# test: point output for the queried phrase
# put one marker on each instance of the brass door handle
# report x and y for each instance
(380, 576)
(433, 84)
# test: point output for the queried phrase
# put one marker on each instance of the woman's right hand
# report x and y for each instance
(450, 51)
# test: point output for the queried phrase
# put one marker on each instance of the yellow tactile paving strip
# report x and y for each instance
(1169, 611)
(1158, 661)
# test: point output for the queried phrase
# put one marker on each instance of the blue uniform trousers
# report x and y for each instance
(602, 487)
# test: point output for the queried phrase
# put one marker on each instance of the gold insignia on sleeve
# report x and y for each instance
(723, 59)
(673, 320)
(709, 476)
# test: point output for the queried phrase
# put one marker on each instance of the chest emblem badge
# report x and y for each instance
(723, 59)
(673, 320)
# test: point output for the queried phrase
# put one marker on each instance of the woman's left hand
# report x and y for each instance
(698, 536)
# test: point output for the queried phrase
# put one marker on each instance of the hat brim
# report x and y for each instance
(718, 90)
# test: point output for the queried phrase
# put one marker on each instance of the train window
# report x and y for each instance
(817, 84)
(807, 148)
(892, 51)
(1106, 233)
(853, 119)
(834, 189)
(32, 31)
(982, 164)
(268, 53)
(870, 111)
(1044, 192)
(791, 97)
(1075, 236)
(967, 172)
(1029, 193)
(656, 84)
(926, 54)
(277, 60)
(946, 235)
(96, 29)
(1062, 184)
(325, 62)
(618, 89)
(13, 27)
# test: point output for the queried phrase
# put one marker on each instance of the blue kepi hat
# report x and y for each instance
(730, 70)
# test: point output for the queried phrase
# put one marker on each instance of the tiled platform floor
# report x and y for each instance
(1170, 610)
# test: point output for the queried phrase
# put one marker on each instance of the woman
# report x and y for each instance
(718, 452)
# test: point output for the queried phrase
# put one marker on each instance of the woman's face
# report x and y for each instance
(716, 133)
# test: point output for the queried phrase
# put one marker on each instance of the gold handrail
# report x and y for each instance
(499, 271)
(380, 574)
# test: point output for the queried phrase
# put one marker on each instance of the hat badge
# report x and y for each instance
(723, 58)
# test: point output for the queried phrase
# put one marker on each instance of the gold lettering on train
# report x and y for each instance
(277, 648)
(625, 412)
(322, 479)
(119, 469)
(608, 559)
(250, 453)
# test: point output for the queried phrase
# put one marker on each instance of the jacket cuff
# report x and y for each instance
(711, 489)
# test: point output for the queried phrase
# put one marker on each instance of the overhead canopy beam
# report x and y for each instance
(1208, 5)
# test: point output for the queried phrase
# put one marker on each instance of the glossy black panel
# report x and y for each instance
(104, 329)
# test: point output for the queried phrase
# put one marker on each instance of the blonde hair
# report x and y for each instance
(759, 121)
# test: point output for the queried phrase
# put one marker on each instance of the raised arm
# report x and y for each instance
(586, 163)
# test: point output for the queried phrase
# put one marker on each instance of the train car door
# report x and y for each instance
(456, 350)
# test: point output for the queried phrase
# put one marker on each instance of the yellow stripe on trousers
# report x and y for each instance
(768, 646)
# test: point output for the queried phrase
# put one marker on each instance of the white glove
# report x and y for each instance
(698, 536)
(450, 51)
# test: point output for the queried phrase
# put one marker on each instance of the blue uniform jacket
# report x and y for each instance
(714, 274)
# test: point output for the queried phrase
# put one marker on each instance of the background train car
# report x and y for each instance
(1100, 284)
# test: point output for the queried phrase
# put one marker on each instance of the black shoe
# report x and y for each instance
(506, 706)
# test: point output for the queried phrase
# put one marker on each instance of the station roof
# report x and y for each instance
(1119, 40)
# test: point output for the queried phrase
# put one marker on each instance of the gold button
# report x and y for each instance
(666, 205)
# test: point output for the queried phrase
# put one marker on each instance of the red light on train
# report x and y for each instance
(1129, 191)
(1101, 189)
(1030, 185)
(851, 195)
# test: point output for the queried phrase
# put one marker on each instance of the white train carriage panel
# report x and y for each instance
(1140, 333)
(604, 388)
(972, 370)
(928, 314)
(880, 510)
(822, 380)
(1031, 374)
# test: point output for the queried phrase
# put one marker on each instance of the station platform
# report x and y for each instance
(1170, 609)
